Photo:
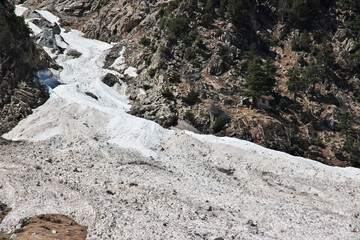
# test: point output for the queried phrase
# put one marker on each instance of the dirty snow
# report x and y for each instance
(128, 178)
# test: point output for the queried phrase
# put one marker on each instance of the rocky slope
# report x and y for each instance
(19, 59)
(193, 70)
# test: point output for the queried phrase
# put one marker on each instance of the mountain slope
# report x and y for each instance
(195, 61)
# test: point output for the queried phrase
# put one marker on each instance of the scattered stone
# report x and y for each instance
(74, 53)
(90, 94)
(110, 79)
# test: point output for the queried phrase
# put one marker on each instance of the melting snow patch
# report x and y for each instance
(20, 10)
(119, 63)
(131, 71)
(49, 16)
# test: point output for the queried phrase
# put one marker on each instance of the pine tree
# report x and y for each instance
(260, 80)
(238, 11)
(313, 74)
(295, 84)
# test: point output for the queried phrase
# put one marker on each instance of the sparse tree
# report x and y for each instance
(295, 84)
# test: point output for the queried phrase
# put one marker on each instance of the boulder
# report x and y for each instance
(216, 66)
(110, 79)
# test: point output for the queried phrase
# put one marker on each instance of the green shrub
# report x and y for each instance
(190, 38)
(302, 61)
(172, 6)
(153, 48)
(162, 65)
(295, 107)
(199, 42)
(301, 43)
(146, 87)
(317, 142)
(147, 61)
(206, 19)
(162, 23)
(162, 11)
(171, 37)
(282, 35)
(189, 115)
(282, 105)
(178, 26)
(218, 33)
(152, 72)
(189, 53)
(145, 41)
(167, 93)
(191, 98)
(195, 63)
(224, 54)
(165, 51)
(174, 77)
(219, 124)
(193, 3)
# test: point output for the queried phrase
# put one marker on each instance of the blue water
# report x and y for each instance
(47, 78)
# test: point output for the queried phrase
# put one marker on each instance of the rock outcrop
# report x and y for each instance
(19, 59)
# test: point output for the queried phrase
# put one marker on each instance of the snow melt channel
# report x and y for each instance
(70, 106)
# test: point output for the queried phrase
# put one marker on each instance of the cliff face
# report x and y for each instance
(19, 59)
(196, 61)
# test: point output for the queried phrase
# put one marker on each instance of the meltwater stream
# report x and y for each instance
(47, 78)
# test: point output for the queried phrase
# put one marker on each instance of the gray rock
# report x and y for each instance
(74, 53)
(110, 79)
(216, 66)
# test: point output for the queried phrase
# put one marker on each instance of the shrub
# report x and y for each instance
(190, 38)
(147, 61)
(282, 105)
(218, 33)
(195, 63)
(162, 65)
(193, 3)
(189, 53)
(172, 6)
(153, 48)
(167, 93)
(145, 41)
(165, 51)
(206, 19)
(146, 87)
(295, 107)
(152, 72)
(302, 61)
(162, 11)
(191, 98)
(224, 54)
(199, 42)
(174, 77)
(219, 124)
(162, 23)
(178, 26)
(189, 115)
(171, 36)
(301, 43)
